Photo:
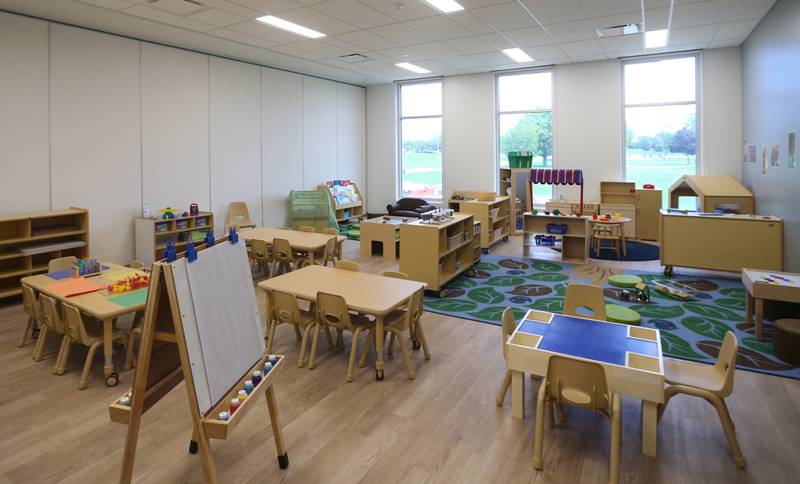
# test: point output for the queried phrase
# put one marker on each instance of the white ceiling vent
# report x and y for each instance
(618, 30)
(353, 58)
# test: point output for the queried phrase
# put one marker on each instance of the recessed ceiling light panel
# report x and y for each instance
(517, 55)
(655, 39)
(413, 68)
(446, 6)
(290, 26)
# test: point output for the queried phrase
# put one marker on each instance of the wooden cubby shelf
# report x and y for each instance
(494, 216)
(152, 235)
(345, 211)
(515, 183)
(29, 241)
(574, 243)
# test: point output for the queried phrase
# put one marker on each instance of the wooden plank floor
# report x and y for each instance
(442, 427)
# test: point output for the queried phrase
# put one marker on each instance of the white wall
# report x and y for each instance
(587, 126)
(119, 122)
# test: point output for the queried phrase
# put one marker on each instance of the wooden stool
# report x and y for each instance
(786, 340)
(610, 232)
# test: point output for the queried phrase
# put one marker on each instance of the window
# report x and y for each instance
(421, 140)
(661, 99)
(525, 121)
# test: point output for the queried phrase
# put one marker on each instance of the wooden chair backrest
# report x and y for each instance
(585, 296)
(61, 263)
(611, 231)
(285, 308)
(578, 383)
(29, 302)
(238, 214)
(73, 324)
(281, 250)
(330, 231)
(259, 250)
(726, 362)
(347, 265)
(307, 228)
(50, 315)
(395, 274)
(509, 325)
(329, 253)
(136, 264)
(332, 309)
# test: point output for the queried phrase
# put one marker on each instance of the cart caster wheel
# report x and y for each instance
(193, 447)
(484, 251)
(112, 380)
(283, 460)
(442, 293)
(505, 238)
(35, 333)
(378, 375)
(668, 271)
(415, 344)
(470, 273)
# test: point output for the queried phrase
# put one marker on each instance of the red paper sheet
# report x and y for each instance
(75, 287)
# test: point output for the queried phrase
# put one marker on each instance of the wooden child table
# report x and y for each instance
(98, 304)
(385, 230)
(309, 242)
(630, 355)
(773, 285)
(614, 221)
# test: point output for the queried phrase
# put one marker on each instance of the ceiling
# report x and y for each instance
(392, 31)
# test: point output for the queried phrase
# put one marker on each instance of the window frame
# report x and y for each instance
(399, 134)
(698, 56)
(498, 113)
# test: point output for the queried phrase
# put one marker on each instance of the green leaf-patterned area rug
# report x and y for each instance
(691, 330)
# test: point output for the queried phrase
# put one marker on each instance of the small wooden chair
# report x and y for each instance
(307, 228)
(260, 254)
(77, 333)
(136, 264)
(134, 333)
(31, 306)
(347, 265)
(51, 323)
(331, 231)
(282, 256)
(286, 310)
(332, 312)
(585, 296)
(395, 274)
(711, 383)
(239, 216)
(61, 263)
(509, 325)
(581, 384)
(609, 232)
(328, 254)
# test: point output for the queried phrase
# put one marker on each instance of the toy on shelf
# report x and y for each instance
(168, 213)
(132, 283)
(194, 210)
(545, 240)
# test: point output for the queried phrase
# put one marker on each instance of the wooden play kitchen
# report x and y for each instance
(384, 231)
(152, 235)
(435, 253)
(631, 357)
(28, 241)
(492, 211)
(768, 285)
(721, 242)
(573, 231)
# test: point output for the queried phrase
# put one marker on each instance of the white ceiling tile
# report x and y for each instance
(601, 8)
(340, 44)
(718, 44)
(507, 16)
(469, 45)
(623, 53)
(112, 4)
(410, 10)
(622, 42)
(339, 64)
(545, 52)
(528, 37)
(471, 4)
(692, 35)
(572, 31)
(354, 12)
(366, 40)
(582, 48)
(559, 60)
(619, 19)
(656, 19)
(268, 32)
(317, 21)
(470, 22)
(497, 40)
(736, 30)
(297, 52)
(400, 54)
(323, 47)
(436, 66)
(436, 49)
(439, 27)
(461, 61)
(491, 59)
(167, 18)
(178, 7)
(240, 37)
(217, 17)
(556, 11)
(401, 34)
(268, 6)
(235, 8)
(701, 13)
(589, 58)
(745, 9)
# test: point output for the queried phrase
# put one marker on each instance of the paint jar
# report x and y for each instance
(248, 386)
(224, 416)
(242, 395)
(256, 378)
(126, 401)
(267, 367)
(273, 359)
(235, 404)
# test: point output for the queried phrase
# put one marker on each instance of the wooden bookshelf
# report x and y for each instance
(351, 210)
(152, 235)
(28, 241)
(574, 243)
(494, 216)
(436, 253)
(514, 182)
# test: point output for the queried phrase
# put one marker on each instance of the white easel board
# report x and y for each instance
(220, 319)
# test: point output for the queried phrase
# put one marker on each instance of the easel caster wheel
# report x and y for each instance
(442, 293)
(484, 251)
(470, 273)
(505, 238)
(35, 333)
(378, 375)
(193, 447)
(415, 344)
(283, 460)
(112, 380)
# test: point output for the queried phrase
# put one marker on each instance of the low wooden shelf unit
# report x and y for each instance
(152, 235)
(574, 243)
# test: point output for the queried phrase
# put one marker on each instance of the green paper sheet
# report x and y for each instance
(130, 299)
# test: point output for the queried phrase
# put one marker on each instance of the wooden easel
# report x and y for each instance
(163, 362)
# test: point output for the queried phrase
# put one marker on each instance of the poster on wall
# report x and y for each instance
(763, 159)
(790, 161)
(774, 156)
(751, 153)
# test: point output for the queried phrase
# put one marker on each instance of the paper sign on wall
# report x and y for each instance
(763, 159)
(774, 156)
(790, 162)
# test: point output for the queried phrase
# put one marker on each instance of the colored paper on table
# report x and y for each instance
(59, 274)
(118, 276)
(75, 287)
(133, 298)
